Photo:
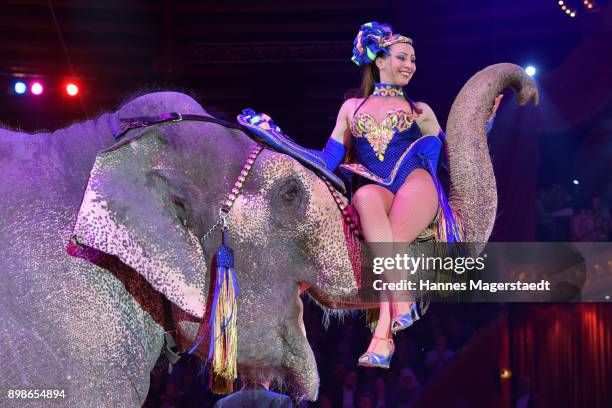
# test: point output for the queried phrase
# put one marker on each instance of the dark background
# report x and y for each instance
(292, 60)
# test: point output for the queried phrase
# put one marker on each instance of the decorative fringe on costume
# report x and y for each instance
(372, 316)
(449, 229)
(453, 249)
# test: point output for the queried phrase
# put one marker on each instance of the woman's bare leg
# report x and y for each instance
(373, 204)
(414, 208)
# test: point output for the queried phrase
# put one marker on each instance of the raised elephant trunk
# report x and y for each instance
(473, 192)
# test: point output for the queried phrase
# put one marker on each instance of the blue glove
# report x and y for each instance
(332, 155)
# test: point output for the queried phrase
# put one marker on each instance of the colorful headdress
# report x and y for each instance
(373, 38)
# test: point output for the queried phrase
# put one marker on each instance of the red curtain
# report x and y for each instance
(566, 352)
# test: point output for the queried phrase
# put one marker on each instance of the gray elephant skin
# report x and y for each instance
(102, 251)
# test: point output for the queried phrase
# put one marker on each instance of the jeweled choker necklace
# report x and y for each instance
(387, 90)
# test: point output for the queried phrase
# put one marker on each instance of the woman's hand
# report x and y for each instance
(498, 99)
(427, 120)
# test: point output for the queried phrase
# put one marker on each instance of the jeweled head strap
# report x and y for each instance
(128, 124)
(372, 39)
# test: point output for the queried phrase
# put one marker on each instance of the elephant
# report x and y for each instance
(105, 246)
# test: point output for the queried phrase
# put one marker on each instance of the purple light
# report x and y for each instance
(36, 88)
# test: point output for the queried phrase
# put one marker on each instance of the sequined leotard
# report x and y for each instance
(389, 151)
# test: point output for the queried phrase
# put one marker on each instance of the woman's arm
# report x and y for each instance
(340, 139)
(342, 132)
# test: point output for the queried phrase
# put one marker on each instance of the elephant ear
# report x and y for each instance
(129, 214)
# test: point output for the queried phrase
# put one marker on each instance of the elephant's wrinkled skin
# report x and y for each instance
(97, 331)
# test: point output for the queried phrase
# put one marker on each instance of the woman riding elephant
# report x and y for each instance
(393, 147)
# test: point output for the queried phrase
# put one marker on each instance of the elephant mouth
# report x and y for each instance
(298, 374)
(300, 305)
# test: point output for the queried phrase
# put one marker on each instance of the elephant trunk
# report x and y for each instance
(473, 192)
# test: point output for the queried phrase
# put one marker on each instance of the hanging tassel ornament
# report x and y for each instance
(223, 318)
(222, 325)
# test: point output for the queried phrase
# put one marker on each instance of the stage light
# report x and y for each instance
(20, 87)
(72, 89)
(591, 6)
(530, 70)
(36, 88)
(505, 373)
(568, 9)
(576, 182)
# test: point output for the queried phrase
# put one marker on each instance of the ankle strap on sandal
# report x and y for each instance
(382, 338)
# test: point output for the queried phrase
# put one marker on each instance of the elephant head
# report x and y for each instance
(152, 197)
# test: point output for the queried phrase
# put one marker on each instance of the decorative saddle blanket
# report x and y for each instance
(265, 131)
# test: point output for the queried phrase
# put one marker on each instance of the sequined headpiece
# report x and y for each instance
(373, 38)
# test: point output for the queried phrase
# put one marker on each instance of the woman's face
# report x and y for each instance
(399, 67)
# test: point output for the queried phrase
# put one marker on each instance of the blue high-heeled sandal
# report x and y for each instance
(405, 320)
(371, 359)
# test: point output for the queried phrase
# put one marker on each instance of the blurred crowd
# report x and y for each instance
(573, 215)
(421, 352)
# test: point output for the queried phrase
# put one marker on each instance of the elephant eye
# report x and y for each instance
(180, 208)
(291, 193)
(177, 201)
(288, 192)
(289, 201)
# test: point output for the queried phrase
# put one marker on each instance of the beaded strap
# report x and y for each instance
(349, 218)
(237, 189)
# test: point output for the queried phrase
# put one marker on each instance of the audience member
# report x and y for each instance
(346, 395)
(381, 393)
(365, 400)
(255, 394)
(407, 388)
(439, 356)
